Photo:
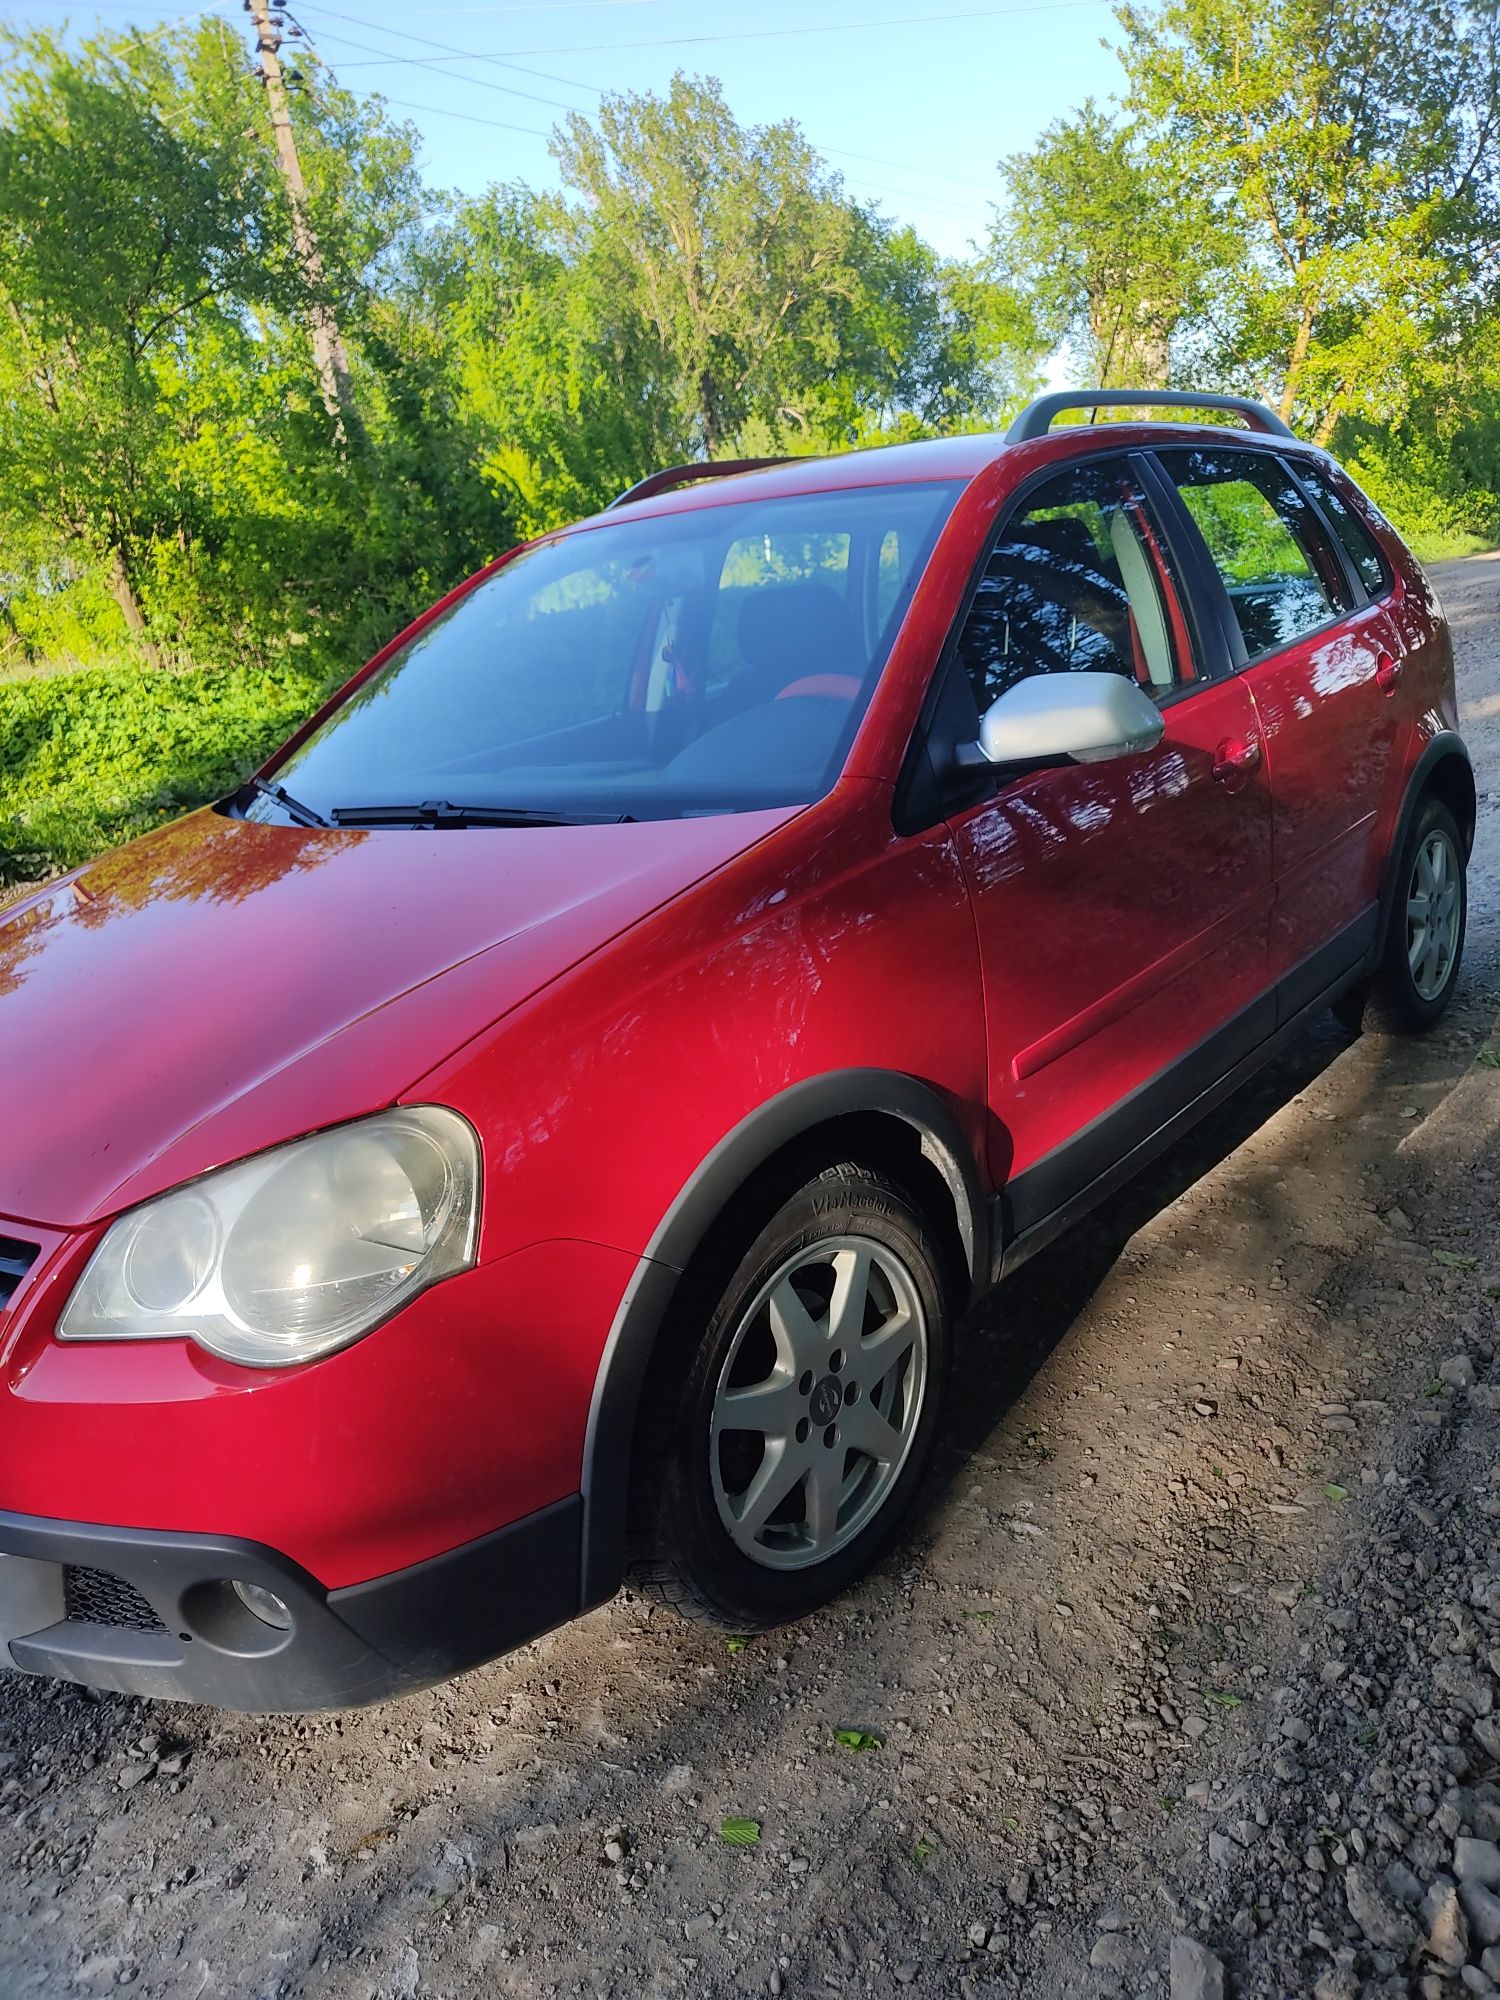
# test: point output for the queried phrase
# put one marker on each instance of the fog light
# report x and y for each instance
(265, 1604)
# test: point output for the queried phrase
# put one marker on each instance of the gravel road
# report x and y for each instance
(1185, 1681)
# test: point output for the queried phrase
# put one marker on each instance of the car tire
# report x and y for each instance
(793, 1402)
(1424, 940)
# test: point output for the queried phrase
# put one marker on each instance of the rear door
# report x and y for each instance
(1314, 655)
(1122, 906)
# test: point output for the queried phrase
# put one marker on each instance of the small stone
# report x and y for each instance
(1476, 1981)
(1386, 1926)
(1477, 1861)
(134, 1774)
(979, 1934)
(1196, 1974)
(614, 1850)
(699, 1926)
(1295, 1730)
(1220, 1849)
(1195, 1726)
(904, 1975)
(1018, 1888)
(1336, 1982)
(1399, 1881)
(1457, 1371)
(1463, 1685)
(1482, 1908)
(1116, 1953)
(775, 1985)
(1447, 1928)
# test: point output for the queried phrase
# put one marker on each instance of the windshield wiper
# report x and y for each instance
(303, 815)
(442, 812)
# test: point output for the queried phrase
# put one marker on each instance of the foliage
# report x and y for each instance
(170, 477)
(1361, 176)
(708, 290)
(1110, 241)
(95, 757)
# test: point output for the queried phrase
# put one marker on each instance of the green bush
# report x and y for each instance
(89, 759)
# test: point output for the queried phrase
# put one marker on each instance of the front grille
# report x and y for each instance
(16, 1259)
(93, 1597)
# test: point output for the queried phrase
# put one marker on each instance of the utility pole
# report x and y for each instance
(330, 355)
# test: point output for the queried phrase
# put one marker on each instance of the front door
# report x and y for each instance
(1122, 907)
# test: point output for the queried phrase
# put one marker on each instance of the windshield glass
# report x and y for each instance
(717, 660)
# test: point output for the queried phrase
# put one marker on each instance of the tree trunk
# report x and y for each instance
(122, 590)
(708, 414)
(1296, 364)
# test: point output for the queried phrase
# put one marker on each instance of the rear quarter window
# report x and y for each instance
(1359, 544)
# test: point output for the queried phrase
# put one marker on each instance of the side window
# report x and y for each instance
(1359, 543)
(1281, 572)
(1076, 584)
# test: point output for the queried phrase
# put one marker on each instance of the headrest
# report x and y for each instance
(797, 629)
(1066, 536)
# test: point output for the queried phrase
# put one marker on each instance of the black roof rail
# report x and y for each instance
(683, 475)
(1036, 419)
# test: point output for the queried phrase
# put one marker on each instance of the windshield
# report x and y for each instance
(712, 661)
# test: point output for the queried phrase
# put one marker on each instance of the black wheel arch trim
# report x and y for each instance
(793, 1114)
(1447, 746)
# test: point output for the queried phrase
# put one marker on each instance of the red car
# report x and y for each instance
(545, 1127)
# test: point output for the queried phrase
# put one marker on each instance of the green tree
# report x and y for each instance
(701, 289)
(165, 439)
(1112, 246)
(130, 217)
(1353, 144)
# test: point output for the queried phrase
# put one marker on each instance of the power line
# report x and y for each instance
(775, 34)
(469, 117)
(427, 62)
(469, 55)
(901, 167)
(572, 83)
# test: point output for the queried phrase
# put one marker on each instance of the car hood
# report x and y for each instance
(221, 986)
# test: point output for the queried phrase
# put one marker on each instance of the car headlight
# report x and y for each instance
(293, 1253)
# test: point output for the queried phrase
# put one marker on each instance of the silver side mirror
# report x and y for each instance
(1061, 718)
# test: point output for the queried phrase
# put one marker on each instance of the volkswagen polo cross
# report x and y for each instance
(544, 1127)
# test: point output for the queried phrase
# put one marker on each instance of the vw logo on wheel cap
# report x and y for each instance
(826, 1401)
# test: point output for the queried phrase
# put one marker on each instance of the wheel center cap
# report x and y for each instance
(826, 1401)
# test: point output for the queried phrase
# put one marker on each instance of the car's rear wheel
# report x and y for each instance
(1425, 939)
(794, 1405)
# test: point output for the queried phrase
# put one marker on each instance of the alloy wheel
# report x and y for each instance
(818, 1402)
(1432, 914)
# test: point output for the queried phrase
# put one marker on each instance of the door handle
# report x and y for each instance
(1388, 673)
(1235, 759)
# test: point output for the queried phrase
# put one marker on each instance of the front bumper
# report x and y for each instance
(146, 1613)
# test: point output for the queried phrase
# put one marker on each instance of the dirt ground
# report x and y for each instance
(1149, 1665)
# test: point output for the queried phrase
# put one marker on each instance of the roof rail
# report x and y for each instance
(1036, 419)
(683, 475)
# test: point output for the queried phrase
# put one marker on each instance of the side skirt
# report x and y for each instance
(1133, 1134)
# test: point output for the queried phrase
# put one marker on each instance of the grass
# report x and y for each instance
(1445, 546)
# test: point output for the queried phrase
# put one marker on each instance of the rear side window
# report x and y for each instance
(1359, 543)
(1076, 585)
(1282, 574)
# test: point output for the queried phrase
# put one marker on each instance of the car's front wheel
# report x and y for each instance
(794, 1405)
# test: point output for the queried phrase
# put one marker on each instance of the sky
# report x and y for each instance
(913, 103)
